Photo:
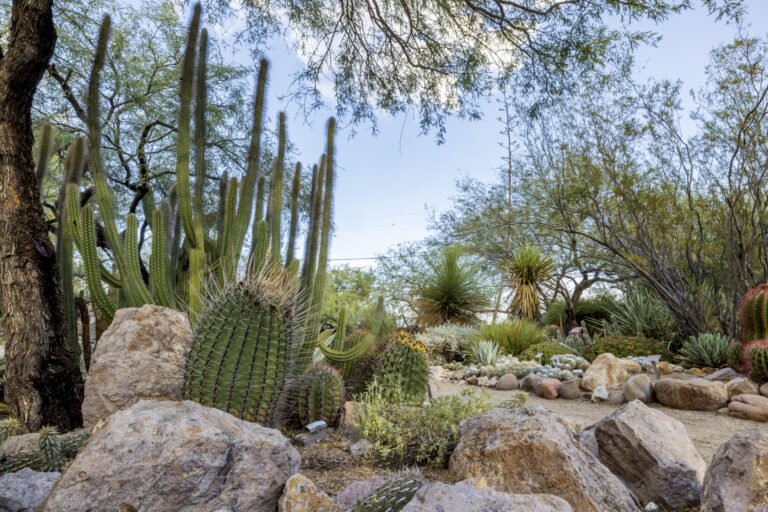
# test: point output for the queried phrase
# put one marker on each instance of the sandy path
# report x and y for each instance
(707, 430)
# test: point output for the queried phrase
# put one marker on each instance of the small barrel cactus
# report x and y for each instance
(754, 314)
(755, 357)
(403, 363)
(319, 394)
(394, 495)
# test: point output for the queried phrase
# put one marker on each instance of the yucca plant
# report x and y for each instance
(452, 291)
(707, 349)
(640, 313)
(485, 352)
(528, 268)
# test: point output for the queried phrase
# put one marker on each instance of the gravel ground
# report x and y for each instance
(707, 430)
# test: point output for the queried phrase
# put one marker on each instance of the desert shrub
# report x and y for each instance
(707, 349)
(623, 346)
(516, 399)
(405, 435)
(547, 350)
(485, 352)
(447, 342)
(593, 311)
(640, 313)
(513, 337)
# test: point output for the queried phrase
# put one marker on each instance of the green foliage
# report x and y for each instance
(515, 336)
(249, 342)
(447, 342)
(593, 311)
(393, 495)
(528, 268)
(705, 350)
(623, 346)
(402, 435)
(640, 313)
(54, 451)
(485, 352)
(403, 370)
(319, 394)
(452, 290)
(547, 349)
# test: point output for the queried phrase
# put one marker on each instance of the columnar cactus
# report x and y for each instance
(319, 394)
(54, 451)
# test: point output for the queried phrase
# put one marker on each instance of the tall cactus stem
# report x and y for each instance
(45, 145)
(295, 190)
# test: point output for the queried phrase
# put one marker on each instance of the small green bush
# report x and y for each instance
(447, 342)
(547, 349)
(405, 435)
(706, 349)
(623, 346)
(513, 337)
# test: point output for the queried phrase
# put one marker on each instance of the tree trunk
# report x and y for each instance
(42, 380)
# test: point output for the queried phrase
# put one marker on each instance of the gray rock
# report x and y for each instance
(600, 394)
(309, 438)
(694, 394)
(589, 441)
(528, 383)
(741, 386)
(535, 452)
(652, 454)
(140, 357)
(616, 397)
(465, 497)
(570, 389)
(737, 479)
(764, 389)
(749, 407)
(358, 491)
(639, 387)
(724, 374)
(24, 490)
(162, 456)
(507, 382)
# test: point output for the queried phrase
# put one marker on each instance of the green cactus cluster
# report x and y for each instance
(393, 495)
(54, 451)
(750, 354)
(318, 395)
(403, 363)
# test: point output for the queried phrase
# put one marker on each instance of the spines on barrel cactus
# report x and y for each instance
(394, 495)
(403, 364)
(754, 314)
(247, 347)
(755, 356)
(318, 395)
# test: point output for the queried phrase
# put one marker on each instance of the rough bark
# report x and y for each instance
(43, 382)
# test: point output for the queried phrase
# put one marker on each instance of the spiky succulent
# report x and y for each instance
(318, 395)
(707, 349)
(485, 352)
(54, 452)
(394, 495)
(756, 359)
(403, 363)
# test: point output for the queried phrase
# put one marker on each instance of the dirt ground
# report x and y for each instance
(707, 430)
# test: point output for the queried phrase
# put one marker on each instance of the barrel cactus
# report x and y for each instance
(318, 395)
(755, 356)
(249, 342)
(403, 363)
(394, 495)
(754, 314)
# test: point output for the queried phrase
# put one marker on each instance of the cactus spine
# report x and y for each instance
(394, 495)
(403, 364)
(319, 394)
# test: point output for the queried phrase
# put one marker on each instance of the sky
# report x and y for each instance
(386, 183)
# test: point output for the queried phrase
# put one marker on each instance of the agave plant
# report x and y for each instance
(528, 267)
(452, 290)
(706, 349)
(640, 313)
(485, 352)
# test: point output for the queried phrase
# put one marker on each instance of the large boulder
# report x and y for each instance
(741, 386)
(164, 456)
(695, 394)
(534, 452)
(507, 382)
(301, 495)
(528, 383)
(737, 479)
(24, 490)
(749, 407)
(467, 497)
(652, 454)
(606, 370)
(639, 387)
(140, 357)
